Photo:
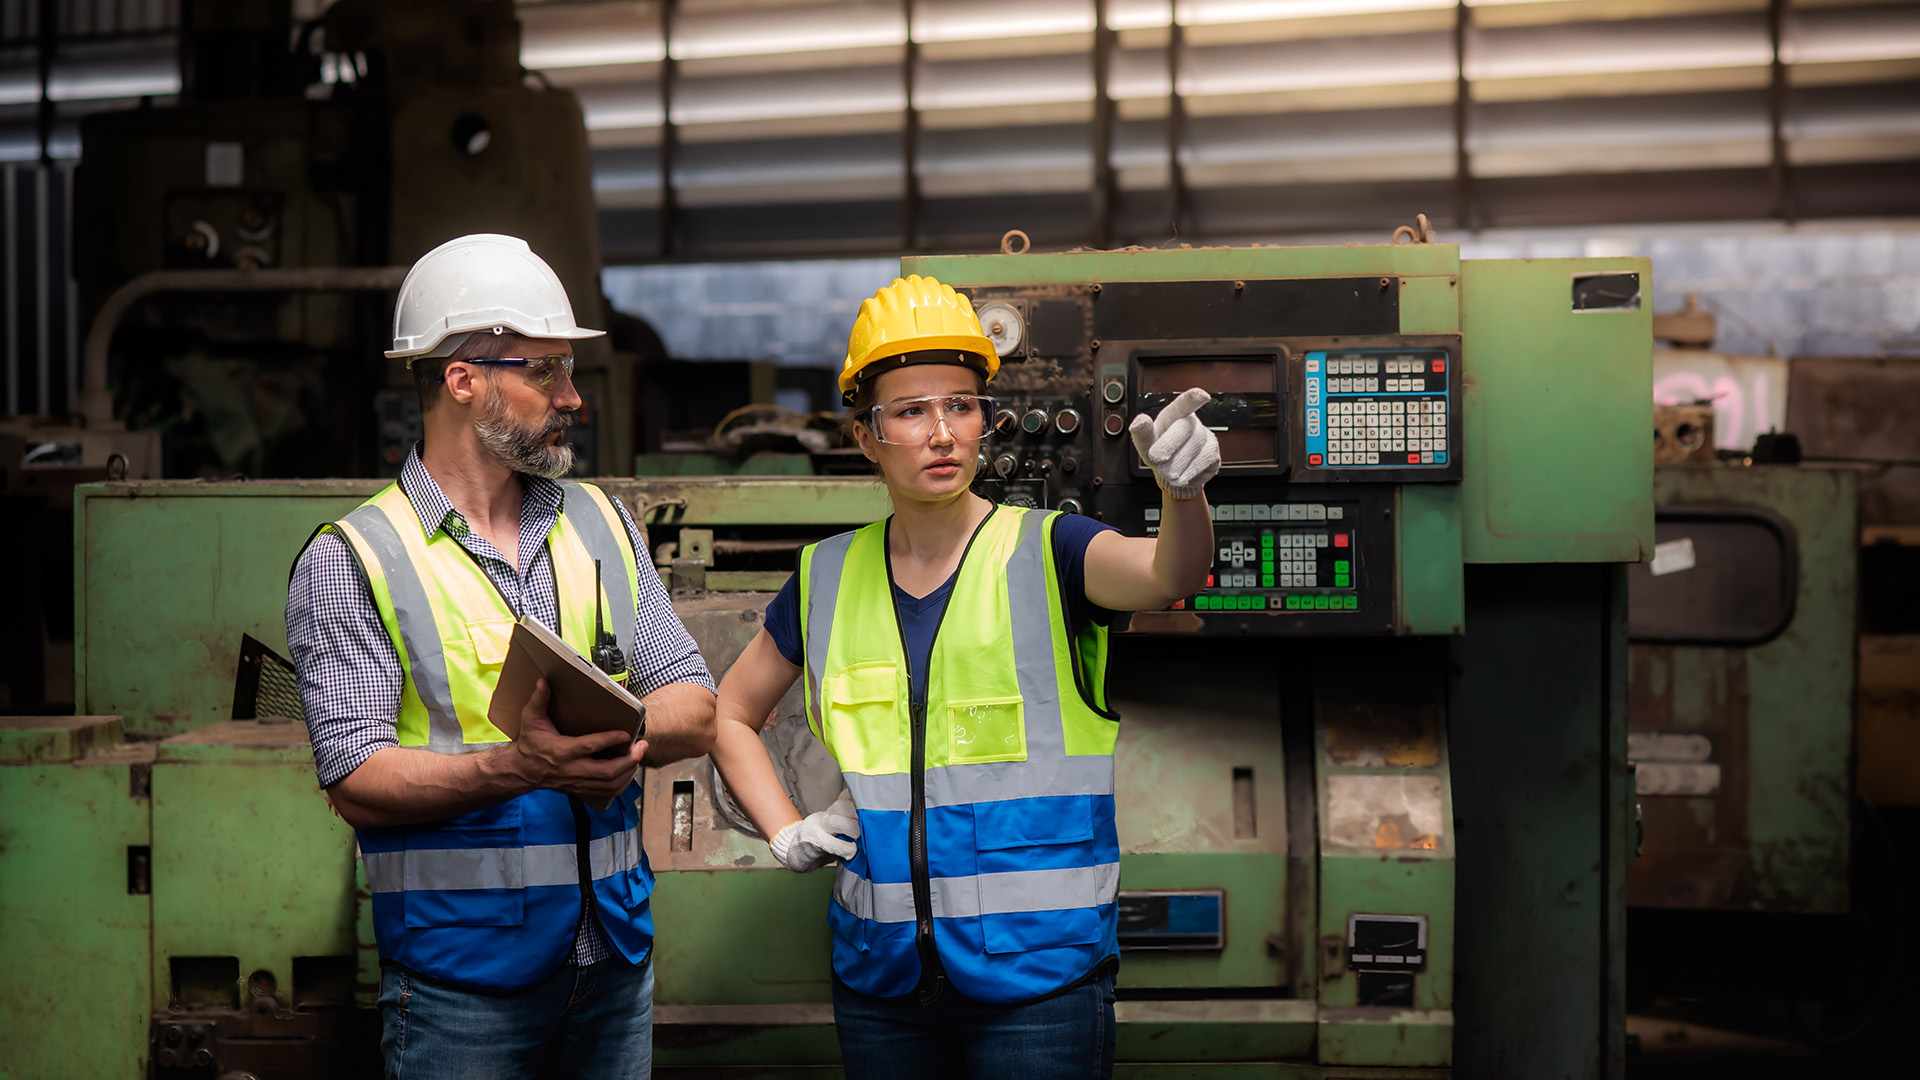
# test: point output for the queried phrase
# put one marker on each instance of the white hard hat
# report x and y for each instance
(481, 282)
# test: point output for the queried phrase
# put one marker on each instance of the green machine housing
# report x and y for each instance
(1374, 793)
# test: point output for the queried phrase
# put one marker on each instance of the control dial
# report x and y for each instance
(1004, 327)
(1004, 423)
(1004, 465)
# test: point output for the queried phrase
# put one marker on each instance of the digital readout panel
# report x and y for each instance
(1378, 409)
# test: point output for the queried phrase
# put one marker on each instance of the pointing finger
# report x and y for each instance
(1184, 405)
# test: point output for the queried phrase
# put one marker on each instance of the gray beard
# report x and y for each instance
(524, 449)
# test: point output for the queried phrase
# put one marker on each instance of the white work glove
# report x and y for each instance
(1179, 449)
(811, 843)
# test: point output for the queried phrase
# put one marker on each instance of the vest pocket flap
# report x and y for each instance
(1027, 823)
(490, 639)
(986, 729)
(864, 685)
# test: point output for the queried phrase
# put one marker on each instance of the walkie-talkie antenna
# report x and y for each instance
(599, 622)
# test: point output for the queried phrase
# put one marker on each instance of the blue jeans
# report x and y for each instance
(593, 1023)
(1065, 1037)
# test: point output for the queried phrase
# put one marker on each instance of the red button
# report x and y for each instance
(1179, 604)
(1339, 540)
(1413, 459)
(1313, 459)
(1114, 424)
(1439, 365)
(1209, 581)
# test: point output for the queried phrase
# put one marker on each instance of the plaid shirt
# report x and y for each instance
(350, 675)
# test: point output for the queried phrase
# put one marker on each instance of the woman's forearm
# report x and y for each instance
(1184, 548)
(744, 764)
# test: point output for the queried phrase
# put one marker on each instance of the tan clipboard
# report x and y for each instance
(582, 699)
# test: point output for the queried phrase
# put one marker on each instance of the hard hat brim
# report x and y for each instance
(575, 334)
(980, 348)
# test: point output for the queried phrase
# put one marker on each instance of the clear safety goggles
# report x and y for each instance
(912, 420)
(544, 370)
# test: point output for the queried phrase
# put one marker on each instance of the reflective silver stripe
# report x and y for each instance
(499, 868)
(1033, 654)
(958, 785)
(596, 535)
(984, 894)
(823, 590)
(426, 663)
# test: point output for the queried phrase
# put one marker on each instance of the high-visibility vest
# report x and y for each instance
(986, 817)
(492, 899)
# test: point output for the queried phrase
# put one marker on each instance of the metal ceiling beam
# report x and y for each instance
(1176, 127)
(1105, 189)
(669, 208)
(909, 139)
(1777, 179)
(1462, 105)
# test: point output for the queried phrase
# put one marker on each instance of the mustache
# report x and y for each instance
(561, 420)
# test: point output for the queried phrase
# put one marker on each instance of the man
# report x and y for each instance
(511, 914)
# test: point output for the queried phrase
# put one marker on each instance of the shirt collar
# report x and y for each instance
(436, 510)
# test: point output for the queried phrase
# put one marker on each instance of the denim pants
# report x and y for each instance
(593, 1022)
(1068, 1036)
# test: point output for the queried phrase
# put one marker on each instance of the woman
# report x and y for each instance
(956, 668)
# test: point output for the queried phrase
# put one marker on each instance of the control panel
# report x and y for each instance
(1320, 407)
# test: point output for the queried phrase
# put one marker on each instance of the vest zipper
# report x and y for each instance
(917, 774)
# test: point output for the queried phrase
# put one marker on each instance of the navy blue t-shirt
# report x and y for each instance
(920, 616)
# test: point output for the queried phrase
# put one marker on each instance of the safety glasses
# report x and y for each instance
(544, 370)
(911, 420)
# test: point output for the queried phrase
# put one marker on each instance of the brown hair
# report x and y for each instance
(430, 374)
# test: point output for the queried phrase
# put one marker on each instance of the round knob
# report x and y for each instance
(1066, 421)
(1069, 463)
(1069, 506)
(1113, 391)
(1034, 421)
(1004, 423)
(1114, 424)
(1004, 465)
(980, 464)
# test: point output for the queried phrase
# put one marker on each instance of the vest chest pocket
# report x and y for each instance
(983, 730)
(490, 639)
(865, 729)
(470, 871)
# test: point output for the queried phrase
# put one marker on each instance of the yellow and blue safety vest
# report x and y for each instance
(492, 899)
(986, 815)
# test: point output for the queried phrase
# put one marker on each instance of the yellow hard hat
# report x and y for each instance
(915, 320)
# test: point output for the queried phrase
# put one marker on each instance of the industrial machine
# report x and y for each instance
(1377, 825)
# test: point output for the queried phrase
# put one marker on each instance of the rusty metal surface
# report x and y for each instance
(1682, 433)
(1773, 835)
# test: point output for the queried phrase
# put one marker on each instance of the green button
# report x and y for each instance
(1266, 539)
(1208, 603)
(1320, 603)
(1266, 581)
(1293, 603)
(1339, 566)
(1340, 582)
(1353, 602)
(1246, 602)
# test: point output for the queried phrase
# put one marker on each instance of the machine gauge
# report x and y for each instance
(1004, 327)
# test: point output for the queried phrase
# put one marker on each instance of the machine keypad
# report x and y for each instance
(1377, 411)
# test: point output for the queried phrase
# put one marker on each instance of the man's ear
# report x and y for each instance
(459, 382)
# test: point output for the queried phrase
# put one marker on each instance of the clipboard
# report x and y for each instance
(582, 699)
